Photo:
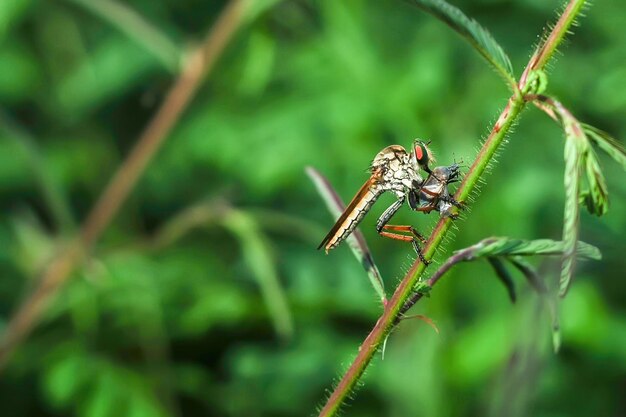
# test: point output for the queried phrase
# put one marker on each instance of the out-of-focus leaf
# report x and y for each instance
(607, 143)
(475, 34)
(136, 28)
(259, 62)
(532, 276)
(105, 398)
(216, 305)
(257, 254)
(10, 13)
(504, 276)
(48, 185)
(21, 77)
(356, 240)
(33, 245)
(258, 7)
(109, 69)
(65, 377)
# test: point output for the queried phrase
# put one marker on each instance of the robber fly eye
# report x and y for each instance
(422, 154)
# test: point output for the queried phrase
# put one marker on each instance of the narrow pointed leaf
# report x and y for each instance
(607, 143)
(504, 246)
(571, 212)
(504, 276)
(139, 30)
(257, 254)
(475, 34)
(356, 240)
(597, 201)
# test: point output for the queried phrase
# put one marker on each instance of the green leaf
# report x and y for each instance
(100, 78)
(65, 377)
(574, 148)
(504, 246)
(356, 240)
(579, 158)
(607, 143)
(258, 256)
(504, 276)
(597, 199)
(477, 36)
(11, 13)
(139, 30)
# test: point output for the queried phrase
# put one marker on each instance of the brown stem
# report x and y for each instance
(197, 67)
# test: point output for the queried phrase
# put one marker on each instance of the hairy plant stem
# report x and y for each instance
(507, 118)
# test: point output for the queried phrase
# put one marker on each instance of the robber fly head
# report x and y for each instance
(422, 154)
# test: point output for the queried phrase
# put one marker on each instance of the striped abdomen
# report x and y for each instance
(351, 217)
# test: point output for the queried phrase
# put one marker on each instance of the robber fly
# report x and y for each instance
(396, 170)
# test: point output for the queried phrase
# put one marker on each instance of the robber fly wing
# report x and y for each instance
(353, 214)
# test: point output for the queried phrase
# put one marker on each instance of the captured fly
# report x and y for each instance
(434, 194)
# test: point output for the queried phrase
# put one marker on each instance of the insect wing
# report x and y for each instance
(344, 222)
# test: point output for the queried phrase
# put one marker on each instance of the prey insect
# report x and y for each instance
(396, 170)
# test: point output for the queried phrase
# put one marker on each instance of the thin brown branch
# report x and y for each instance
(199, 64)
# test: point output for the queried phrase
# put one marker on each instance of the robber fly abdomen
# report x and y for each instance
(352, 218)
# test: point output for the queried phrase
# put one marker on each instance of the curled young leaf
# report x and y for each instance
(607, 143)
(597, 199)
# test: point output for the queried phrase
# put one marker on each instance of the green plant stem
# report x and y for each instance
(502, 126)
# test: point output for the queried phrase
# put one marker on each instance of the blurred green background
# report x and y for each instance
(206, 297)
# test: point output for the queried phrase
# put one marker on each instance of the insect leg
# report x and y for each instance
(409, 229)
(382, 226)
(406, 238)
(388, 214)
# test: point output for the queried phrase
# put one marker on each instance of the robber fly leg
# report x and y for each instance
(405, 238)
(418, 250)
(415, 236)
(409, 229)
(388, 214)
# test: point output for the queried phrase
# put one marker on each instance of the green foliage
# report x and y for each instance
(519, 247)
(475, 34)
(157, 324)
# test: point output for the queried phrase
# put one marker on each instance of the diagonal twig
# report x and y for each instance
(197, 66)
